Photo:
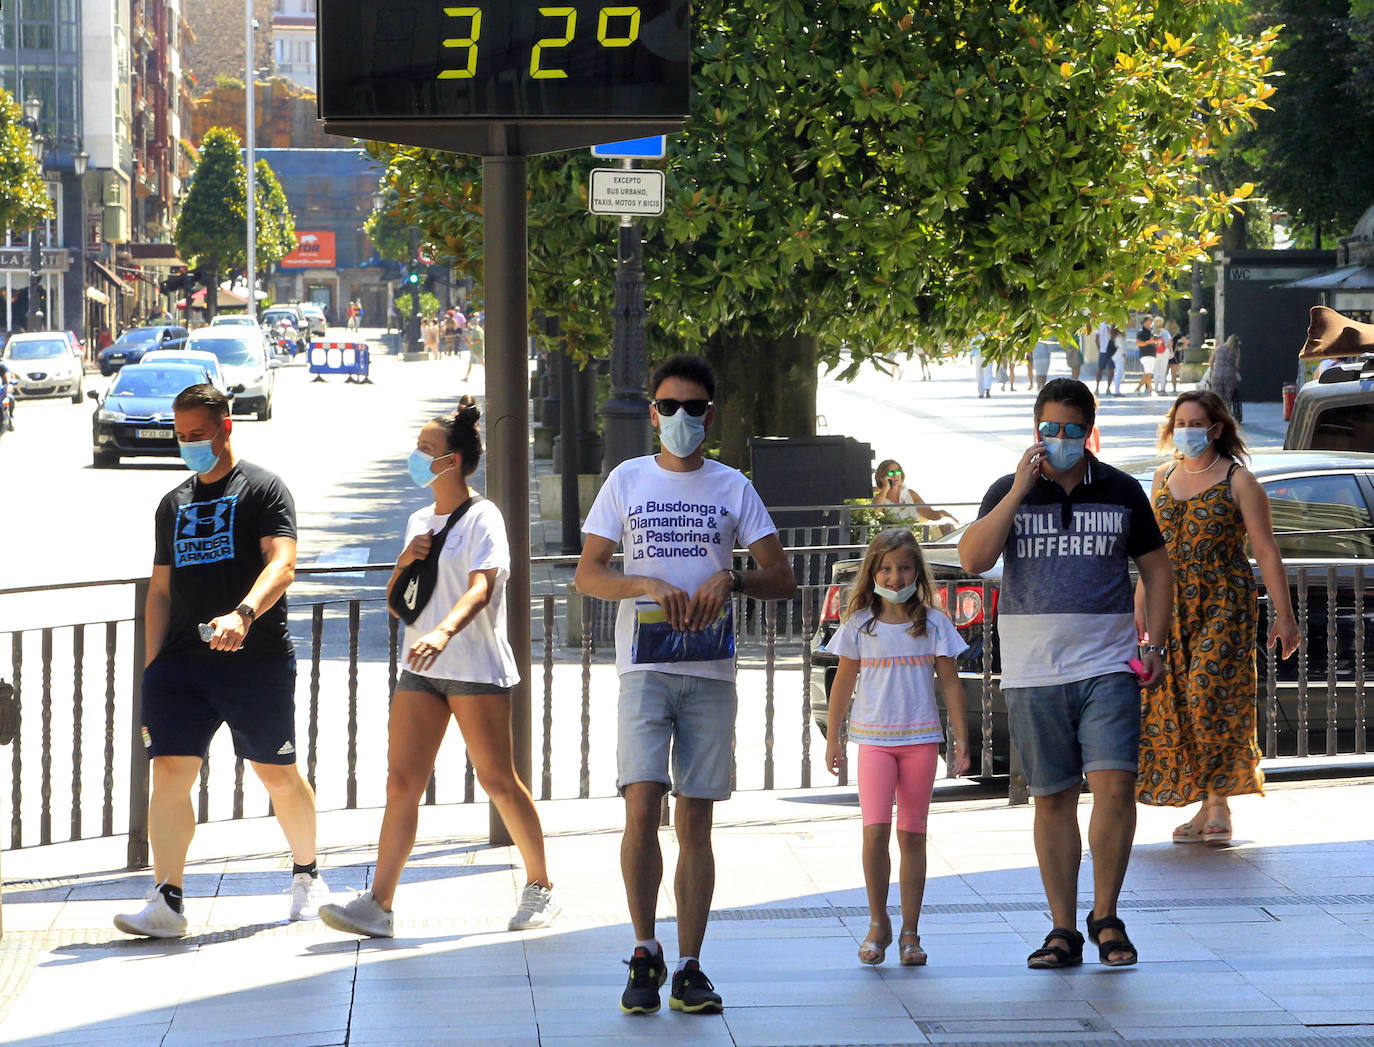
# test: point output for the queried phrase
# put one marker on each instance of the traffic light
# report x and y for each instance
(175, 283)
(410, 279)
(194, 278)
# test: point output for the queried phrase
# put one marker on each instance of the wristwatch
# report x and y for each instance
(736, 581)
(246, 613)
(1153, 648)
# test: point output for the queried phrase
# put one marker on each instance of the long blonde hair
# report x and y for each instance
(861, 594)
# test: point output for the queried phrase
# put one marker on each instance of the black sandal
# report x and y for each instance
(1051, 957)
(1105, 949)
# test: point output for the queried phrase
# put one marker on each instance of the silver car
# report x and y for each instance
(44, 363)
(248, 365)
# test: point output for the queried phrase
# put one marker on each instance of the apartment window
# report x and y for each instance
(279, 6)
(309, 6)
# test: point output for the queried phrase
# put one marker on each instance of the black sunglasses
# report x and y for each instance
(1073, 430)
(668, 407)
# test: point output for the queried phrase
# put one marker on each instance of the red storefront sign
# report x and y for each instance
(314, 250)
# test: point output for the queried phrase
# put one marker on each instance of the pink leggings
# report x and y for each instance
(905, 773)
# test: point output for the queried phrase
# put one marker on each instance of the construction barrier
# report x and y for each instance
(347, 358)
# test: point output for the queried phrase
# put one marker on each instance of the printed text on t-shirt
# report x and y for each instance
(671, 530)
(1092, 532)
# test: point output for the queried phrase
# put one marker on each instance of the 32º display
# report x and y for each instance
(517, 59)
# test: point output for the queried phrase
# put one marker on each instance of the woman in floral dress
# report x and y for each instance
(1198, 742)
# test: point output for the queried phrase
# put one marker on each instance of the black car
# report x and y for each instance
(1323, 511)
(129, 347)
(134, 417)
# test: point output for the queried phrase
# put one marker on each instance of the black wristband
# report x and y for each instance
(736, 581)
(246, 613)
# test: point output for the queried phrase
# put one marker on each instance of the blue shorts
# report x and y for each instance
(688, 719)
(1062, 731)
(184, 703)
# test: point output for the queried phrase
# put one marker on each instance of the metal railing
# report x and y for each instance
(78, 749)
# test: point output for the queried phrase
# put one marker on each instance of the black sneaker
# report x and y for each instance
(693, 992)
(647, 973)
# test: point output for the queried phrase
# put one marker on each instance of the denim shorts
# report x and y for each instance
(1064, 730)
(689, 720)
(438, 686)
(185, 702)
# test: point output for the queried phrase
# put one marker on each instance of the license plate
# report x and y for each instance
(154, 434)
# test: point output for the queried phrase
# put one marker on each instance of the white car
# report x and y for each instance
(45, 363)
(209, 361)
(248, 365)
(319, 323)
(234, 319)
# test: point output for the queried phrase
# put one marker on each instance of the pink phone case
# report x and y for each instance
(1138, 667)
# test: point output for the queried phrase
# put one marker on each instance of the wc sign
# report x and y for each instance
(314, 250)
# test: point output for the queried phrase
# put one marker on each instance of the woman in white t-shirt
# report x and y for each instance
(458, 663)
(895, 646)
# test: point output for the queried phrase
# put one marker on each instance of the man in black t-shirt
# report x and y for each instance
(218, 651)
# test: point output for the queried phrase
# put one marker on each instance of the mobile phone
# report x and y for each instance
(1138, 667)
(207, 632)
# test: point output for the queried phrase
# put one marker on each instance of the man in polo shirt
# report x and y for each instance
(1065, 526)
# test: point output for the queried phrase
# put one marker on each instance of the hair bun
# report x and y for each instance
(467, 411)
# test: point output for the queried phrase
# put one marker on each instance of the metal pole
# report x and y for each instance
(252, 274)
(567, 435)
(137, 853)
(34, 320)
(626, 414)
(413, 328)
(508, 421)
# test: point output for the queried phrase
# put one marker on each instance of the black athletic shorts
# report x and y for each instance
(184, 703)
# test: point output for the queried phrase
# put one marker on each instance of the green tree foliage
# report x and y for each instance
(212, 225)
(24, 200)
(389, 232)
(860, 178)
(1314, 151)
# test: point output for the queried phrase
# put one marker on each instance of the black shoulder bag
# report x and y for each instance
(415, 584)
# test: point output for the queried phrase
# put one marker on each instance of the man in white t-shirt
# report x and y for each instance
(678, 517)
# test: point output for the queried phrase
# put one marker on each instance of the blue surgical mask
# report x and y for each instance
(1192, 443)
(199, 455)
(1061, 452)
(418, 466)
(901, 595)
(680, 433)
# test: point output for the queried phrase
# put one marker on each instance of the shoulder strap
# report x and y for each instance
(437, 542)
(1234, 467)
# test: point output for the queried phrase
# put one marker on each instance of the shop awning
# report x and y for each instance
(97, 296)
(157, 255)
(1347, 278)
(110, 278)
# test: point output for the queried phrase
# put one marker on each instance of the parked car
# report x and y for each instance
(129, 347)
(45, 363)
(1335, 412)
(197, 357)
(300, 323)
(315, 316)
(134, 417)
(1323, 511)
(248, 364)
(234, 320)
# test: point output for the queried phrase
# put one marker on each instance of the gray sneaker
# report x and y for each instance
(157, 919)
(538, 908)
(360, 916)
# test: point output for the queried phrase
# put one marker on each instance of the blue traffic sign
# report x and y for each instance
(655, 147)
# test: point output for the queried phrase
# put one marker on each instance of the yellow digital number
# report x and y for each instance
(569, 27)
(469, 42)
(607, 13)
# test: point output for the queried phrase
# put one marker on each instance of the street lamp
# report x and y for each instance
(33, 321)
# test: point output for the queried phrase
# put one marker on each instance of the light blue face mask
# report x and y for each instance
(418, 466)
(199, 455)
(1061, 452)
(680, 433)
(901, 595)
(1192, 442)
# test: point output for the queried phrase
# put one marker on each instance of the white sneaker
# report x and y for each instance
(157, 919)
(538, 907)
(360, 916)
(307, 892)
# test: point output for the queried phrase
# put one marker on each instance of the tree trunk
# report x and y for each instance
(765, 386)
(211, 297)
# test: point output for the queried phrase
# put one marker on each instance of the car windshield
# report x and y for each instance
(36, 350)
(139, 335)
(231, 351)
(151, 380)
(221, 321)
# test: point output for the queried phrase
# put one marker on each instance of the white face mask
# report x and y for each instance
(897, 596)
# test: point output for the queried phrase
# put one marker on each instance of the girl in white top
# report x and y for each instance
(459, 664)
(895, 645)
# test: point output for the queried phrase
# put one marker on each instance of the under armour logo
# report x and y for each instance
(198, 514)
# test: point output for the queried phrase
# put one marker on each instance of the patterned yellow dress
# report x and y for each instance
(1198, 727)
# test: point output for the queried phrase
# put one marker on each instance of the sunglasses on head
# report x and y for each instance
(668, 407)
(1073, 430)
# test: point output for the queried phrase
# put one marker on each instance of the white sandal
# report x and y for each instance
(872, 951)
(912, 955)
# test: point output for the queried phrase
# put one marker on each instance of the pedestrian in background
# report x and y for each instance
(1040, 359)
(1180, 346)
(1066, 526)
(1147, 346)
(1164, 354)
(1224, 367)
(1198, 741)
(217, 651)
(896, 647)
(674, 652)
(890, 489)
(477, 344)
(458, 665)
(1106, 358)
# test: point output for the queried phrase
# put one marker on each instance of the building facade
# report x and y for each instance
(293, 41)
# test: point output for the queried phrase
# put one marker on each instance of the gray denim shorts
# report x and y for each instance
(409, 681)
(688, 720)
(1062, 731)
